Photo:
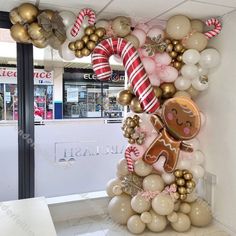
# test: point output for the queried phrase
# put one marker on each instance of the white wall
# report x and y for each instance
(218, 139)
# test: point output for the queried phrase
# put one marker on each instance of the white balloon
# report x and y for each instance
(182, 83)
(168, 177)
(65, 53)
(78, 36)
(199, 157)
(183, 164)
(68, 18)
(103, 23)
(197, 171)
(191, 56)
(202, 71)
(190, 71)
(199, 84)
(210, 58)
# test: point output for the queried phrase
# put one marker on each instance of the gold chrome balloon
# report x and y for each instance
(178, 47)
(28, 12)
(19, 33)
(100, 32)
(135, 105)
(180, 57)
(183, 197)
(71, 46)
(180, 181)
(35, 31)
(177, 65)
(178, 173)
(188, 176)
(79, 44)
(15, 17)
(89, 30)
(175, 42)
(173, 54)
(131, 141)
(182, 190)
(78, 53)
(85, 38)
(94, 38)
(157, 91)
(125, 97)
(168, 90)
(190, 184)
(169, 47)
(91, 45)
(40, 43)
(86, 52)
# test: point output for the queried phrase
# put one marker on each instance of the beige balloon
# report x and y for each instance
(182, 224)
(191, 197)
(177, 205)
(200, 214)
(185, 208)
(117, 190)
(178, 26)
(119, 209)
(140, 204)
(158, 222)
(163, 204)
(172, 217)
(197, 25)
(141, 168)
(122, 167)
(196, 41)
(133, 39)
(153, 183)
(109, 188)
(146, 217)
(135, 225)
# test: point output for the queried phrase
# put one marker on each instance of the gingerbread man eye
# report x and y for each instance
(174, 111)
(188, 123)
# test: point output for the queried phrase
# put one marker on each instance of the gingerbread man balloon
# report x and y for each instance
(179, 121)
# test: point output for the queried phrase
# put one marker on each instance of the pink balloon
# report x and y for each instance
(144, 52)
(155, 32)
(149, 65)
(167, 73)
(142, 26)
(162, 59)
(141, 35)
(155, 81)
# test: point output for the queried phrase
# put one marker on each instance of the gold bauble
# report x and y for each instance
(183, 50)
(139, 141)
(79, 44)
(189, 190)
(180, 57)
(85, 52)
(100, 32)
(49, 13)
(91, 45)
(178, 47)
(132, 124)
(19, 33)
(167, 41)
(185, 171)
(85, 38)
(89, 30)
(71, 46)
(169, 47)
(126, 134)
(125, 97)
(94, 38)
(177, 65)
(35, 31)
(190, 184)
(173, 54)
(129, 130)
(28, 12)
(182, 190)
(131, 141)
(40, 43)
(15, 17)
(178, 173)
(176, 195)
(157, 91)
(180, 181)
(175, 42)
(168, 90)
(188, 176)
(78, 53)
(183, 197)
(135, 106)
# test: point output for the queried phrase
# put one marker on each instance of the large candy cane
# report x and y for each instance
(129, 150)
(217, 28)
(80, 18)
(133, 66)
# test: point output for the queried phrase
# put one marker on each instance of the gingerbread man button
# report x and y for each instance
(179, 121)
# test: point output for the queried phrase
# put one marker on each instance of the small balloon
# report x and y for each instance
(182, 83)
(141, 168)
(182, 224)
(200, 84)
(103, 24)
(135, 225)
(162, 59)
(197, 171)
(28, 12)
(190, 71)
(158, 222)
(191, 56)
(155, 32)
(139, 204)
(133, 39)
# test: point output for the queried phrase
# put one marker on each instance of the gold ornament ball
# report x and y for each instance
(100, 32)
(94, 38)
(182, 190)
(85, 38)
(132, 124)
(126, 134)
(180, 57)
(189, 190)
(131, 141)
(40, 43)
(91, 45)
(168, 90)
(178, 173)
(125, 97)
(135, 106)
(78, 53)
(79, 44)
(175, 42)
(167, 41)
(176, 195)
(89, 30)
(188, 176)
(169, 47)
(85, 52)
(35, 31)
(183, 50)
(185, 171)
(180, 181)
(177, 65)
(183, 197)
(178, 47)
(129, 130)
(173, 54)
(140, 141)
(71, 46)
(157, 91)
(15, 17)
(28, 12)
(19, 33)
(190, 184)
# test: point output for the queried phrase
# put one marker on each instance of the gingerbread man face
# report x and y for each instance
(181, 117)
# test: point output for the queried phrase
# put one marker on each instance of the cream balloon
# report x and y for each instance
(196, 41)
(158, 222)
(182, 83)
(177, 205)
(168, 177)
(135, 225)
(190, 72)
(200, 214)
(117, 190)
(178, 26)
(119, 209)
(153, 183)
(200, 84)
(210, 58)
(197, 25)
(202, 71)
(110, 185)
(182, 94)
(191, 197)
(68, 18)
(185, 208)
(146, 217)
(140, 204)
(163, 204)
(172, 217)
(184, 164)
(191, 56)
(78, 36)
(197, 171)
(102, 24)
(65, 53)
(182, 224)
(141, 168)
(122, 167)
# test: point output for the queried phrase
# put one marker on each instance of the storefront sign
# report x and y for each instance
(8, 75)
(72, 94)
(116, 77)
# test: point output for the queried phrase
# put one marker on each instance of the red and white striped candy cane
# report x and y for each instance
(133, 66)
(129, 150)
(80, 18)
(217, 28)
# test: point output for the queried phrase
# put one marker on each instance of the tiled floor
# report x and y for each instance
(103, 226)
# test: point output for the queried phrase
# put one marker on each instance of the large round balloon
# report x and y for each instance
(210, 58)
(182, 224)
(191, 56)
(135, 225)
(196, 41)
(158, 222)
(153, 183)
(68, 18)
(140, 204)
(163, 204)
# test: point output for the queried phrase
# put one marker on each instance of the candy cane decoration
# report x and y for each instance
(129, 150)
(133, 66)
(217, 28)
(80, 18)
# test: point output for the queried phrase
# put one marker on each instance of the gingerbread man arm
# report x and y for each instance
(186, 147)
(157, 122)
